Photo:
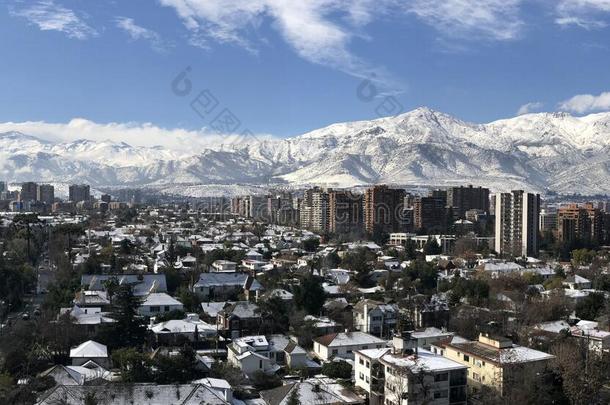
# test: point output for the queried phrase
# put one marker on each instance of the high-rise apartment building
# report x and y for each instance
(517, 223)
(314, 210)
(579, 222)
(462, 199)
(430, 213)
(45, 193)
(79, 192)
(345, 211)
(29, 191)
(548, 220)
(383, 208)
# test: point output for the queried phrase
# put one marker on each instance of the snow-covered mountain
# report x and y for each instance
(547, 151)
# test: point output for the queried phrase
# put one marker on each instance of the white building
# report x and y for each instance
(344, 344)
(159, 303)
(404, 379)
(517, 223)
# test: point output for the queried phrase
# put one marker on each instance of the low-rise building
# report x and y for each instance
(494, 362)
(344, 344)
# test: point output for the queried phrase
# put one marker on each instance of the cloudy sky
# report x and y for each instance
(78, 68)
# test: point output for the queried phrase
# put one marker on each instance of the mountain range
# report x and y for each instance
(539, 152)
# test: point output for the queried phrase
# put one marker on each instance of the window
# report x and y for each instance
(441, 377)
(367, 379)
(467, 358)
(360, 360)
(335, 352)
(476, 377)
(441, 394)
(364, 347)
(361, 376)
(155, 309)
(368, 365)
(166, 309)
(349, 351)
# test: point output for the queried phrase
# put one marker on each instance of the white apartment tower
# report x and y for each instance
(517, 223)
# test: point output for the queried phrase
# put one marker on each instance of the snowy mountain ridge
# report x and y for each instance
(544, 151)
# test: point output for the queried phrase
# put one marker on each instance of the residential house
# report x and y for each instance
(177, 331)
(90, 351)
(241, 318)
(159, 303)
(375, 317)
(344, 344)
(319, 391)
(219, 286)
(174, 394)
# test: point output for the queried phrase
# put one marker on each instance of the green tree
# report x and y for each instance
(309, 295)
(129, 329)
(590, 307)
(337, 369)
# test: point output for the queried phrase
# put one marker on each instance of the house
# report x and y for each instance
(178, 331)
(90, 351)
(224, 266)
(344, 344)
(142, 284)
(241, 318)
(278, 349)
(597, 340)
(218, 286)
(175, 394)
(494, 362)
(254, 255)
(576, 282)
(391, 376)
(428, 336)
(220, 386)
(159, 303)
(89, 318)
(88, 373)
(375, 317)
(319, 391)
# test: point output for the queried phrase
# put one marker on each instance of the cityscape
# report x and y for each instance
(313, 202)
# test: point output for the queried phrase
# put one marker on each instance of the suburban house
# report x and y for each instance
(224, 266)
(219, 286)
(89, 318)
(494, 362)
(375, 317)
(159, 303)
(278, 349)
(344, 344)
(142, 284)
(320, 391)
(188, 394)
(577, 282)
(90, 351)
(241, 318)
(177, 331)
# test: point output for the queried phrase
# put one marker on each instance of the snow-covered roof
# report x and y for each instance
(89, 349)
(424, 360)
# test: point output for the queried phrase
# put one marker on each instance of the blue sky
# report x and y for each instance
(285, 67)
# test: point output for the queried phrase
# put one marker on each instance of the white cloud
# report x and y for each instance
(137, 32)
(135, 134)
(49, 16)
(319, 31)
(586, 103)
(582, 13)
(483, 19)
(530, 107)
